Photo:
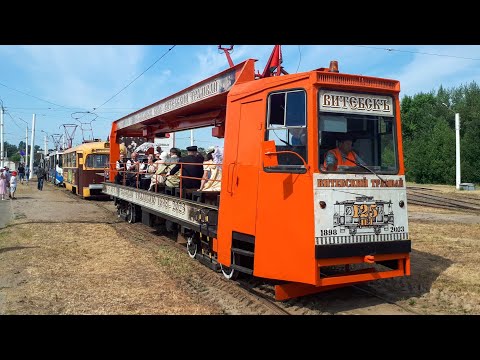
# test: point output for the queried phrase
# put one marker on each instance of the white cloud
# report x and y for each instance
(86, 76)
(81, 76)
(427, 72)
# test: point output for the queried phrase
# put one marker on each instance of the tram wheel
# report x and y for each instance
(228, 272)
(192, 247)
(131, 213)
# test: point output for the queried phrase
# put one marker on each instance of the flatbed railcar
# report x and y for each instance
(279, 214)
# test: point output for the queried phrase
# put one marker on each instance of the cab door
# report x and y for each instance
(284, 246)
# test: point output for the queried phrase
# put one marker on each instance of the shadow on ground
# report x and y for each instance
(13, 248)
(425, 269)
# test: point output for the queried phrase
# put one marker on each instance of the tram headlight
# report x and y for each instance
(401, 203)
(322, 204)
(342, 220)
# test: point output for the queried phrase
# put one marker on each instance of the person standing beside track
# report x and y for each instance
(8, 175)
(27, 173)
(40, 178)
(3, 183)
(13, 184)
(21, 172)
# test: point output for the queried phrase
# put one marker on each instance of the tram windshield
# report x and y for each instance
(98, 161)
(371, 138)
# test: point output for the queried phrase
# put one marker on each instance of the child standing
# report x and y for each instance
(13, 184)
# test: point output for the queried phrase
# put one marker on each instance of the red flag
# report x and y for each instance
(274, 62)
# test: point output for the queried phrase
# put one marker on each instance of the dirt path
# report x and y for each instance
(63, 255)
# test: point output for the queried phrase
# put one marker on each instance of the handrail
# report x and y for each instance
(112, 167)
(270, 153)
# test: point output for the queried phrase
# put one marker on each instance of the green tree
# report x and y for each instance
(441, 154)
(428, 129)
(16, 157)
(9, 149)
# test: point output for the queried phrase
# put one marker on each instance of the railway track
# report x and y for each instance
(350, 300)
(428, 197)
(253, 295)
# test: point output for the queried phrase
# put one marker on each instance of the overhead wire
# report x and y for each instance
(169, 50)
(36, 97)
(299, 58)
(131, 82)
(76, 108)
(416, 52)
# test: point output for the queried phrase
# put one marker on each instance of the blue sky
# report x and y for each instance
(59, 83)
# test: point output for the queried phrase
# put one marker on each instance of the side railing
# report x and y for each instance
(157, 182)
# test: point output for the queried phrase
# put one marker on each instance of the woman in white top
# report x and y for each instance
(3, 184)
(211, 175)
(156, 178)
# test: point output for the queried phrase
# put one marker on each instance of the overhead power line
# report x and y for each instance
(35, 97)
(417, 52)
(130, 83)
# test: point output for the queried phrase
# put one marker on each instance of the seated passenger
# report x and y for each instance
(159, 178)
(120, 166)
(133, 166)
(212, 173)
(148, 171)
(191, 166)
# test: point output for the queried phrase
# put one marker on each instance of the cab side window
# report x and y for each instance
(286, 126)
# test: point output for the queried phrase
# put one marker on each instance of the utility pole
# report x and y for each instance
(457, 146)
(1, 135)
(457, 149)
(32, 146)
(46, 146)
(191, 137)
(26, 147)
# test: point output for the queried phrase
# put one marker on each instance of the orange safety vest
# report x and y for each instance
(340, 160)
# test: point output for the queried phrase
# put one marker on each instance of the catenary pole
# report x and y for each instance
(26, 147)
(457, 149)
(32, 146)
(1, 136)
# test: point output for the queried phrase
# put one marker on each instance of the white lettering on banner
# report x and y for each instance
(157, 202)
(216, 86)
(336, 101)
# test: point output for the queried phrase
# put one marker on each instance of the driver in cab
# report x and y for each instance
(342, 155)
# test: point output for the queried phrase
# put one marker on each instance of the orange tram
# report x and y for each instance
(280, 213)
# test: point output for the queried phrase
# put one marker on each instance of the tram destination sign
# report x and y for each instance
(355, 103)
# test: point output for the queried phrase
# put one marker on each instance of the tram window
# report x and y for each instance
(97, 161)
(277, 109)
(295, 109)
(286, 126)
(287, 109)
